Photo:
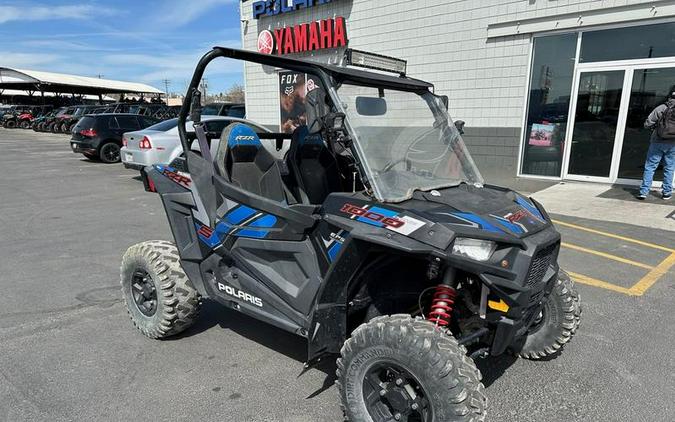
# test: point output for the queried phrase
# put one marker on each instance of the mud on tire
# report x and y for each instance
(558, 324)
(447, 377)
(154, 266)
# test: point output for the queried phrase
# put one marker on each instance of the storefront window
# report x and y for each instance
(636, 42)
(548, 106)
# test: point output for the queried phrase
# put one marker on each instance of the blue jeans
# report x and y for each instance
(658, 151)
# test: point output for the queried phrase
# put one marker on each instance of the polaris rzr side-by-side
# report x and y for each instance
(375, 238)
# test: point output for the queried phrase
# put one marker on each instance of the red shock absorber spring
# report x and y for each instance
(441, 305)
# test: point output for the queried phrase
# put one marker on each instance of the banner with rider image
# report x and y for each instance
(293, 87)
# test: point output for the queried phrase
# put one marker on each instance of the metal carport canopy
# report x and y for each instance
(33, 80)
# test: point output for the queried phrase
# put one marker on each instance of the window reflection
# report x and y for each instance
(651, 88)
(637, 42)
(548, 106)
(595, 124)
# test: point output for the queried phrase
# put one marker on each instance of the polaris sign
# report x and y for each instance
(277, 7)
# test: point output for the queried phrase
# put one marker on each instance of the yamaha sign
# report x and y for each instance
(277, 7)
(313, 36)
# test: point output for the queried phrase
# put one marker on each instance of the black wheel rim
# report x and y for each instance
(144, 292)
(111, 153)
(392, 393)
(539, 320)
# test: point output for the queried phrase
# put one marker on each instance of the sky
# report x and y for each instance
(137, 41)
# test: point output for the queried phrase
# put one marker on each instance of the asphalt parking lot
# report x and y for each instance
(69, 352)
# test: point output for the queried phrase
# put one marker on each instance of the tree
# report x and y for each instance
(235, 94)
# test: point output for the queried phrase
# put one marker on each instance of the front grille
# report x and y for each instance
(540, 263)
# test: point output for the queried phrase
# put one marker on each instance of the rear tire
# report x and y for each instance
(25, 124)
(160, 298)
(10, 124)
(436, 374)
(109, 153)
(558, 322)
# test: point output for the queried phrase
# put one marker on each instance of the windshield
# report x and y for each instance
(211, 110)
(406, 141)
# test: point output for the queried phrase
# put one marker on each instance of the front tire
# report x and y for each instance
(557, 323)
(160, 298)
(400, 368)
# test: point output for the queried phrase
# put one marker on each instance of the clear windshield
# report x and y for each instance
(406, 141)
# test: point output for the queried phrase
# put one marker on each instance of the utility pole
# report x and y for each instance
(167, 82)
(100, 76)
(204, 87)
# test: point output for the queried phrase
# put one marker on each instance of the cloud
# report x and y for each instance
(43, 13)
(181, 12)
(27, 60)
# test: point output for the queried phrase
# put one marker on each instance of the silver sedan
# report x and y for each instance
(160, 144)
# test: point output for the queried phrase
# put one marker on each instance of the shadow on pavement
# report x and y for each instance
(295, 347)
(290, 345)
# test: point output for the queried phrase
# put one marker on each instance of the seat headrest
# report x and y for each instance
(302, 137)
(240, 134)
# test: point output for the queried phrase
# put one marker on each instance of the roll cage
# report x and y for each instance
(330, 76)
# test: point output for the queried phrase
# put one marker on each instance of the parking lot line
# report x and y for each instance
(653, 276)
(606, 255)
(614, 236)
(583, 279)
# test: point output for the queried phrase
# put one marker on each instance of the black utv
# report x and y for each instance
(375, 239)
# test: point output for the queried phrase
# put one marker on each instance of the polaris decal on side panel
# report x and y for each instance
(239, 294)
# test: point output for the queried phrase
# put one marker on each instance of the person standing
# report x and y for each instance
(661, 147)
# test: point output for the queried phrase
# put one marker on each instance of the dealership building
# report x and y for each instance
(548, 89)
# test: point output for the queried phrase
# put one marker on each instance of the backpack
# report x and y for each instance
(665, 128)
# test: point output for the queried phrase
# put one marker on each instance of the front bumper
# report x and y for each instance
(81, 147)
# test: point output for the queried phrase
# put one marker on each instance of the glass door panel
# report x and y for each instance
(650, 88)
(595, 123)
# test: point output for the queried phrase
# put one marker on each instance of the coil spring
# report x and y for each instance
(441, 305)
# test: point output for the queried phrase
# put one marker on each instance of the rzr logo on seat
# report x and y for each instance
(240, 295)
(244, 138)
(361, 212)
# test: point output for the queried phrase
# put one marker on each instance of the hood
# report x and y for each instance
(491, 210)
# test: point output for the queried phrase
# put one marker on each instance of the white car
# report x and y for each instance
(160, 144)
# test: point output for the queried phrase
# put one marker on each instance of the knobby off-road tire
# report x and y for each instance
(559, 321)
(431, 357)
(177, 302)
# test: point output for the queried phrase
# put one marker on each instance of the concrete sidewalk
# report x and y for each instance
(607, 203)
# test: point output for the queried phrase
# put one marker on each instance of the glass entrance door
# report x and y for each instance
(596, 120)
(650, 88)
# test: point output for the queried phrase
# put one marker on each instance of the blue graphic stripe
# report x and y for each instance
(256, 234)
(265, 221)
(529, 207)
(239, 214)
(334, 250)
(482, 223)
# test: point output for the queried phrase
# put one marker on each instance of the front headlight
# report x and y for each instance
(476, 249)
